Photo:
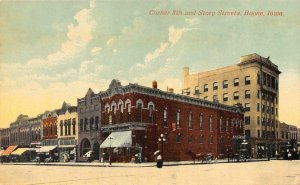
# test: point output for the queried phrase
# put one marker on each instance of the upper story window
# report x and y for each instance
(236, 82)
(201, 121)
(258, 78)
(210, 124)
(215, 98)
(225, 97)
(205, 88)
(227, 125)
(178, 119)
(165, 117)
(220, 124)
(150, 113)
(225, 84)
(236, 95)
(197, 90)
(215, 86)
(205, 97)
(139, 112)
(247, 107)
(247, 93)
(247, 80)
(190, 120)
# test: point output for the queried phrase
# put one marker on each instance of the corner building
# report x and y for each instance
(253, 82)
(133, 117)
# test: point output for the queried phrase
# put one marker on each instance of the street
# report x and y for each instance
(279, 172)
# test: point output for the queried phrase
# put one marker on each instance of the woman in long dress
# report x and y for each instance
(159, 161)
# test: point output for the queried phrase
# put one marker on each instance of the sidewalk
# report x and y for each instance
(134, 165)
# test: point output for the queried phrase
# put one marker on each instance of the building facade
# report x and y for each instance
(67, 133)
(89, 115)
(253, 83)
(134, 117)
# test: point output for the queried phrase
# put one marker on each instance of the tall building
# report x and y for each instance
(138, 120)
(253, 82)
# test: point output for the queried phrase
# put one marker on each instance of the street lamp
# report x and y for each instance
(110, 138)
(162, 139)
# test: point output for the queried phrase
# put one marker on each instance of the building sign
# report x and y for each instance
(238, 137)
(173, 127)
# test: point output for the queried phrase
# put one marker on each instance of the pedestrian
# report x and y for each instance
(159, 161)
(289, 156)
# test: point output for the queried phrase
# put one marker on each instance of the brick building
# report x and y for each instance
(133, 117)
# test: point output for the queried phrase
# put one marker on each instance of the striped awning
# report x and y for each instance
(9, 150)
(19, 151)
(118, 139)
(46, 149)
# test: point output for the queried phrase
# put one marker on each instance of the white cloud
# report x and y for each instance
(96, 50)
(175, 34)
(192, 22)
(157, 52)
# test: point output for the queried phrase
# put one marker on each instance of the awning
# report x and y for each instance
(1, 151)
(118, 139)
(9, 150)
(19, 151)
(46, 149)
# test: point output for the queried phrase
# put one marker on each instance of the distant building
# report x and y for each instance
(134, 117)
(253, 82)
(89, 115)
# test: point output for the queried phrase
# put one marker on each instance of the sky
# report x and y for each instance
(53, 51)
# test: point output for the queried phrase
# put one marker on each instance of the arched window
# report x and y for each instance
(81, 125)
(178, 119)
(139, 107)
(150, 111)
(66, 128)
(190, 120)
(85, 124)
(128, 109)
(69, 127)
(97, 123)
(220, 124)
(61, 127)
(227, 125)
(92, 127)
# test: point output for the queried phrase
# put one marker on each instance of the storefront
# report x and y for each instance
(48, 152)
(118, 146)
(5, 156)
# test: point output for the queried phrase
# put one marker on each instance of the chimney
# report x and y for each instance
(154, 84)
(171, 90)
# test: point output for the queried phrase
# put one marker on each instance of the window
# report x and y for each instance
(247, 107)
(236, 95)
(215, 86)
(258, 107)
(66, 129)
(227, 125)
(69, 127)
(258, 94)
(92, 126)
(205, 97)
(258, 120)
(61, 128)
(190, 139)
(201, 121)
(225, 84)
(178, 138)
(121, 113)
(247, 120)
(220, 124)
(247, 80)
(85, 124)
(258, 78)
(247, 134)
(215, 98)
(263, 121)
(205, 88)
(74, 126)
(211, 139)
(178, 119)
(258, 133)
(225, 97)
(236, 82)
(150, 113)
(190, 121)
(247, 94)
(139, 112)
(263, 108)
(201, 139)
(128, 108)
(81, 124)
(210, 124)
(165, 116)
(196, 90)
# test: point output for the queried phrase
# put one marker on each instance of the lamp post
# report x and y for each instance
(162, 139)
(110, 138)
(244, 149)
